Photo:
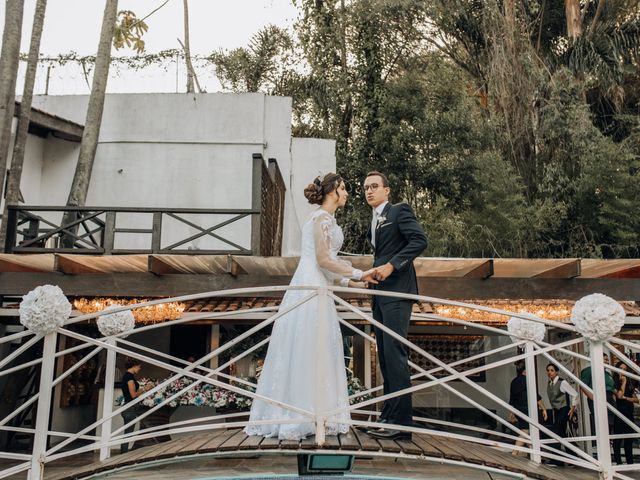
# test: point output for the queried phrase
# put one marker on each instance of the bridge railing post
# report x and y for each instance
(600, 414)
(321, 335)
(41, 434)
(107, 406)
(532, 394)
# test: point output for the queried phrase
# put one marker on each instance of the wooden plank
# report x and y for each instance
(389, 445)
(290, 444)
(70, 264)
(233, 442)
(194, 444)
(483, 270)
(331, 443)
(621, 268)
(349, 441)
(132, 284)
(367, 443)
(409, 447)
(270, 443)
(442, 445)
(568, 269)
(466, 451)
(26, 263)
(309, 443)
(158, 266)
(214, 443)
(252, 442)
(171, 449)
(148, 284)
(427, 448)
(233, 268)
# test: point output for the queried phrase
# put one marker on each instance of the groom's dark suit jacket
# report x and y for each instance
(399, 240)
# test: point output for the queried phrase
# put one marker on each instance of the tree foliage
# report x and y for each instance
(511, 126)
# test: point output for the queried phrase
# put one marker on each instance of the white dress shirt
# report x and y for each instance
(377, 213)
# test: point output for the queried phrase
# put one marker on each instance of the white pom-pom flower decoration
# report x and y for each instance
(44, 309)
(521, 329)
(598, 317)
(115, 323)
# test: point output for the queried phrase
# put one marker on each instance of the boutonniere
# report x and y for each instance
(381, 220)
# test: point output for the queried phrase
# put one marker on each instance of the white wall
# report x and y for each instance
(191, 151)
(310, 157)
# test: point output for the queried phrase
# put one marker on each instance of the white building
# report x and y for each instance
(178, 151)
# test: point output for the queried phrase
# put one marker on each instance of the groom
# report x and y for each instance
(397, 239)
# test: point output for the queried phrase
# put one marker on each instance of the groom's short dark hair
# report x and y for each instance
(385, 180)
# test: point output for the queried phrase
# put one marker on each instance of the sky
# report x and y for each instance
(74, 25)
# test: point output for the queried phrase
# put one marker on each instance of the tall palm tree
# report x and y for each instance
(9, 59)
(17, 160)
(89, 144)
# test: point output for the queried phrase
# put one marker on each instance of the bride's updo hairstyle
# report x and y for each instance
(320, 188)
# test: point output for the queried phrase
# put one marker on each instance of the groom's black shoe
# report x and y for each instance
(388, 434)
(364, 428)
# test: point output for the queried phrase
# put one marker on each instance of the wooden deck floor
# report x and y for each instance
(234, 441)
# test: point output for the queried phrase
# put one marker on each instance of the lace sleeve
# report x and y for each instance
(328, 262)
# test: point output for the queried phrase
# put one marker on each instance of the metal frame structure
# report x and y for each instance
(520, 349)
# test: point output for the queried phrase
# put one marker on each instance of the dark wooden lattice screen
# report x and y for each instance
(272, 197)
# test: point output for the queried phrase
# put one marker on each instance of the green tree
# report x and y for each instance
(12, 196)
(9, 58)
(128, 30)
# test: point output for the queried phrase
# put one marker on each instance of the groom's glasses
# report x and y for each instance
(373, 187)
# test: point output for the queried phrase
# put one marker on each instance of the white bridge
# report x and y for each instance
(433, 440)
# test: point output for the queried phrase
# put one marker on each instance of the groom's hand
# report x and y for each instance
(369, 276)
(384, 271)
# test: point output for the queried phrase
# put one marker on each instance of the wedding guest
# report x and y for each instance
(610, 387)
(130, 390)
(563, 399)
(518, 399)
(625, 398)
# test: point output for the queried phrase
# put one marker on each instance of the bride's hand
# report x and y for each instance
(354, 284)
(369, 276)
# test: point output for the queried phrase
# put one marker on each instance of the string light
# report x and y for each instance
(149, 314)
(559, 311)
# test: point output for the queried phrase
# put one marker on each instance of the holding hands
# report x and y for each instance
(378, 274)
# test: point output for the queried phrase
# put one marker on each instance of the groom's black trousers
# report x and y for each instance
(393, 357)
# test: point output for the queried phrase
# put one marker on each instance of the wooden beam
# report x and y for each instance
(570, 269)
(71, 264)
(133, 284)
(629, 272)
(158, 266)
(618, 268)
(233, 268)
(148, 284)
(483, 270)
(26, 263)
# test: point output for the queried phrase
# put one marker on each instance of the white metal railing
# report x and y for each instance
(575, 451)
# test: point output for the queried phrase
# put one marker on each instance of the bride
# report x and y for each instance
(289, 374)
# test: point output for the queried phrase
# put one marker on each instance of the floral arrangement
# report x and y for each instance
(44, 309)
(115, 323)
(598, 317)
(521, 329)
(202, 395)
(354, 385)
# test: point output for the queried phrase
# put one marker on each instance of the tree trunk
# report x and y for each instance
(17, 161)
(574, 20)
(9, 60)
(187, 48)
(88, 146)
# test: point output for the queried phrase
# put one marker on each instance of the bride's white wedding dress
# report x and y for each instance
(290, 374)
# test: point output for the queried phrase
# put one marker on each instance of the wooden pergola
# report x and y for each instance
(172, 275)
